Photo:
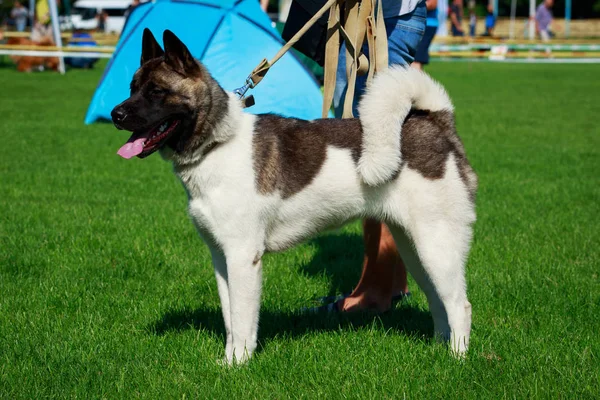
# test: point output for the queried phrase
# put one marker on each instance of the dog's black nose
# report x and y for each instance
(118, 115)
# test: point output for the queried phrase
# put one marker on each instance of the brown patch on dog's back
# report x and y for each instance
(288, 153)
(426, 142)
(428, 138)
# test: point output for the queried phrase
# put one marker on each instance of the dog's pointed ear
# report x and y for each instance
(150, 47)
(178, 56)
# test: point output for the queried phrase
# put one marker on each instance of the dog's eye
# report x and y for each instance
(156, 91)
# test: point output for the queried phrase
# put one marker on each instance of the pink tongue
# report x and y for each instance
(131, 149)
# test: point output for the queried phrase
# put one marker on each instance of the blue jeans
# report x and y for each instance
(78, 62)
(456, 32)
(21, 25)
(404, 34)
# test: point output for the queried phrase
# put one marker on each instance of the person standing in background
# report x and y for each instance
(490, 20)
(543, 19)
(102, 18)
(20, 14)
(81, 38)
(456, 15)
(422, 54)
(472, 18)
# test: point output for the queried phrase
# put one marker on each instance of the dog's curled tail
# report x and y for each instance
(383, 109)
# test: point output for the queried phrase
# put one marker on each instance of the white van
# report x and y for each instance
(84, 12)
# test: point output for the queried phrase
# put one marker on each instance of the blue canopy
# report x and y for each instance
(230, 37)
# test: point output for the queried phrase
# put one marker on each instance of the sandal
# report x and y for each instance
(332, 303)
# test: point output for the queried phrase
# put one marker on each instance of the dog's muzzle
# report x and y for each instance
(118, 116)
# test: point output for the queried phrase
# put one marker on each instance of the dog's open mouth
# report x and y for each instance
(144, 143)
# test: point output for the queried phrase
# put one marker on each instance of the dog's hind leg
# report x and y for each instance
(244, 278)
(220, 266)
(436, 262)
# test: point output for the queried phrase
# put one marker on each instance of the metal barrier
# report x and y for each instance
(444, 49)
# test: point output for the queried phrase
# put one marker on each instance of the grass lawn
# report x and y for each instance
(106, 291)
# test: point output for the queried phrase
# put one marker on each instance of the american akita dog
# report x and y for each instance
(260, 183)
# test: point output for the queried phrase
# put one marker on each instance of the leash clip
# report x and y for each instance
(241, 91)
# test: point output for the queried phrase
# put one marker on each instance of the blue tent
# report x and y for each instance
(230, 37)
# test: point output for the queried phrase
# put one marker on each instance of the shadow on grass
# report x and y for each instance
(407, 320)
(340, 257)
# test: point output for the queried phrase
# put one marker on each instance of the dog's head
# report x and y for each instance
(171, 93)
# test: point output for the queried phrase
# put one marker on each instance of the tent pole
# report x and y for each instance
(567, 18)
(56, 32)
(32, 13)
(513, 12)
(531, 19)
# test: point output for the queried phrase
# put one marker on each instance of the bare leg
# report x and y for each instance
(383, 275)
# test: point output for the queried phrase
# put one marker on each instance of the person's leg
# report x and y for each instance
(545, 35)
(422, 55)
(384, 274)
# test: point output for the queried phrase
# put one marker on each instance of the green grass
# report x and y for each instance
(106, 291)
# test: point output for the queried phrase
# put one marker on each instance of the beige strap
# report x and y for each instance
(352, 7)
(332, 48)
(363, 63)
(377, 40)
(261, 70)
(355, 26)
(362, 19)
(371, 43)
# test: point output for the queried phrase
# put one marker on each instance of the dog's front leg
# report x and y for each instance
(244, 272)
(218, 259)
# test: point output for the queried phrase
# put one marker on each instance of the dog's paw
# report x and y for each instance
(232, 362)
(234, 358)
(224, 362)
